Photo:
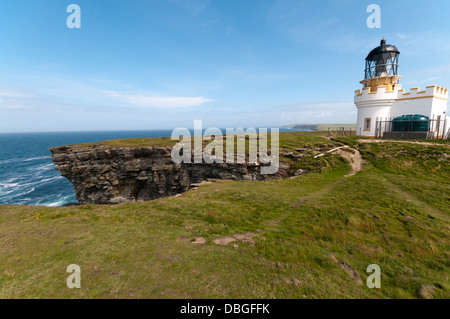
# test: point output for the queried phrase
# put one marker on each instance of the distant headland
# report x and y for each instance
(319, 127)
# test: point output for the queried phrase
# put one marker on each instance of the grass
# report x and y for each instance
(287, 139)
(393, 213)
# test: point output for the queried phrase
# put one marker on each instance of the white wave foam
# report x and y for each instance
(8, 188)
(56, 204)
(9, 160)
(9, 185)
(37, 158)
(51, 179)
(41, 168)
(23, 193)
(13, 179)
(59, 202)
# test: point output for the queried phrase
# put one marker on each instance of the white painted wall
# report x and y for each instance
(431, 102)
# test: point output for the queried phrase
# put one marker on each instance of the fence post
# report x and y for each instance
(445, 126)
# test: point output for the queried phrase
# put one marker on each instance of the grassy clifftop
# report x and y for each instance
(308, 237)
(289, 140)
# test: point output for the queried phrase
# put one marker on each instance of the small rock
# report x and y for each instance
(426, 291)
(297, 283)
(199, 241)
(301, 172)
(333, 258)
(287, 154)
(224, 241)
(245, 236)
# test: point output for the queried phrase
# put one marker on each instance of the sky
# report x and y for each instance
(161, 64)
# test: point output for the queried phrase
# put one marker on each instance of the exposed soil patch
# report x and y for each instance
(426, 292)
(246, 238)
(224, 241)
(199, 241)
(348, 269)
(352, 272)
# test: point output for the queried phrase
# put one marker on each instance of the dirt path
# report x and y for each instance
(275, 223)
(430, 209)
(355, 160)
(401, 141)
(353, 156)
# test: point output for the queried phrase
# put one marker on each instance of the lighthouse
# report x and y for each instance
(386, 110)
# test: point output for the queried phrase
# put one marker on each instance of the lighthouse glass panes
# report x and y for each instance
(383, 64)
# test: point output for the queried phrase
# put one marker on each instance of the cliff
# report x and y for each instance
(116, 175)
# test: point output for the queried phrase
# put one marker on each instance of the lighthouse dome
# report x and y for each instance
(382, 61)
(382, 49)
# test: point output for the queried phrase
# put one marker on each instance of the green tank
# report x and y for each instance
(411, 123)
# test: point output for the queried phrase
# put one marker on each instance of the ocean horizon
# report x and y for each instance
(28, 175)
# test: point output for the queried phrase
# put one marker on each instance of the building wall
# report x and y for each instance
(372, 105)
(382, 104)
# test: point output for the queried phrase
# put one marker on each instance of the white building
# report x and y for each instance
(383, 99)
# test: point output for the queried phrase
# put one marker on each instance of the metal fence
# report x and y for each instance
(437, 127)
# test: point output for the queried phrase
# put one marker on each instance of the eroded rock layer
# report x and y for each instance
(121, 175)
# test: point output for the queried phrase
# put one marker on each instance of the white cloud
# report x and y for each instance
(15, 99)
(157, 101)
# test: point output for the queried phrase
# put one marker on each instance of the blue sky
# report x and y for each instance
(161, 64)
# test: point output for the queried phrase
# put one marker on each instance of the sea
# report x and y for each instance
(27, 173)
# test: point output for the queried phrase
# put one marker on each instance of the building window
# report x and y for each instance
(367, 124)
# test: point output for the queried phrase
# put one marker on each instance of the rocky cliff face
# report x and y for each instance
(121, 175)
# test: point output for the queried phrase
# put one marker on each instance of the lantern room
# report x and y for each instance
(382, 67)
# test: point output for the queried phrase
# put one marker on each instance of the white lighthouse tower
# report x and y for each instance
(382, 101)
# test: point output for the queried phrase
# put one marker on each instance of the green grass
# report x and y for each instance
(393, 213)
(293, 139)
